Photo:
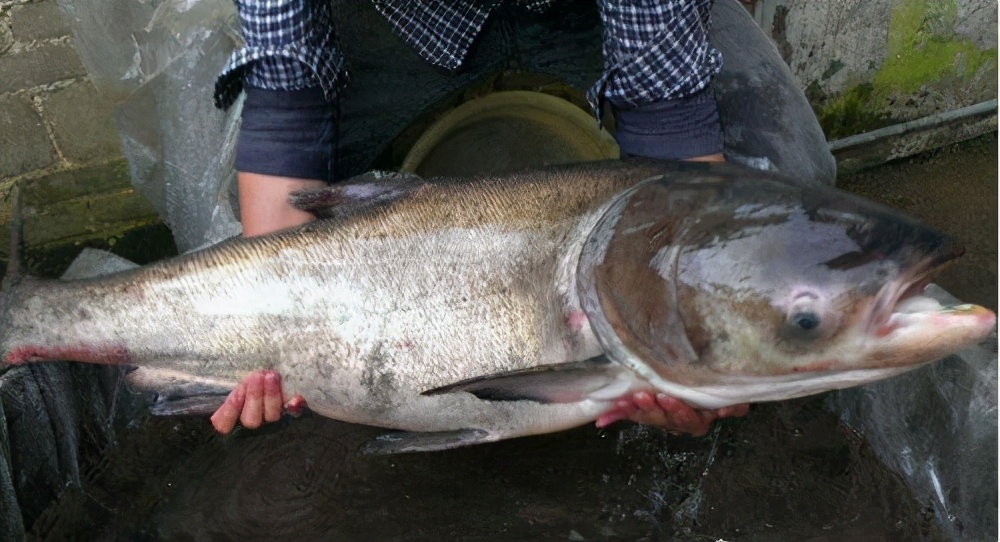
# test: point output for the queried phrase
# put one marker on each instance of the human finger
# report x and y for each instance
(272, 396)
(253, 406)
(225, 417)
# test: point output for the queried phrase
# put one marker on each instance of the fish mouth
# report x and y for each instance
(902, 303)
(904, 295)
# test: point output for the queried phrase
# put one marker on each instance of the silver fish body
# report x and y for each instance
(475, 304)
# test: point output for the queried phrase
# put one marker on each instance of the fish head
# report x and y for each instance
(728, 287)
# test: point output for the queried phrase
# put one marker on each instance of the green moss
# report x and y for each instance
(921, 50)
(850, 112)
(88, 180)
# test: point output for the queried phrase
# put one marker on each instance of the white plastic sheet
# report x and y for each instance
(158, 61)
(937, 428)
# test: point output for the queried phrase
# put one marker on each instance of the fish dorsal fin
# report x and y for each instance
(626, 278)
(595, 378)
(357, 193)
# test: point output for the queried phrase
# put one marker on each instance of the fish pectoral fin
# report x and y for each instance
(557, 383)
(356, 194)
(406, 442)
(178, 394)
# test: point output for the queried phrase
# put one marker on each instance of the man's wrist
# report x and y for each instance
(676, 129)
(287, 133)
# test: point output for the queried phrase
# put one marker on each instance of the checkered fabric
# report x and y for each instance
(290, 45)
(654, 50)
(443, 32)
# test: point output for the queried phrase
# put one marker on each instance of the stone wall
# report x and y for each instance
(866, 64)
(57, 136)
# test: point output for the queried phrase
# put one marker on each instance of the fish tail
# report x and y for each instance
(15, 270)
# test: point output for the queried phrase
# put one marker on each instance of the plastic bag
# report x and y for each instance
(161, 78)
(937, 428)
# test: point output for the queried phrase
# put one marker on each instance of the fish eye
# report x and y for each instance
(805, 321)
(807, 315)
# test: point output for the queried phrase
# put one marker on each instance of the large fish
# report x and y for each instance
(473, 310)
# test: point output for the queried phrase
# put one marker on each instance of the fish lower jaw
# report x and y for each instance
(735, 390)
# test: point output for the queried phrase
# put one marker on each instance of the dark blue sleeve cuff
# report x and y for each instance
(670, 130)
(287, 133)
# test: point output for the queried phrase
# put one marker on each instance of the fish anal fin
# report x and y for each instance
(178, 394)
(408, 442)
(557, 383)
(356, 194)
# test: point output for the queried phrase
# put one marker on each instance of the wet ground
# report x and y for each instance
(788, 471)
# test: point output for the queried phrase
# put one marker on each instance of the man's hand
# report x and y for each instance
(668, 413)
(257, 399)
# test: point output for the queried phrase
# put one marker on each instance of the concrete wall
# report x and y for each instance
(57, 137)
(866, 64)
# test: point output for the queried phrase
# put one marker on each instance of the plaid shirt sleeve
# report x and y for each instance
(290, 45)
(654, 50)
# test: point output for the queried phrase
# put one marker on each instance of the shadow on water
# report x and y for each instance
(787, 472)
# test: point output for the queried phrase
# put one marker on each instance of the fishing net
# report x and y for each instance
(55, 415)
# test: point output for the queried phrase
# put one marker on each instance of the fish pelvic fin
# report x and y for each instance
(403, 442)
(356, 194)
(594, 378)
